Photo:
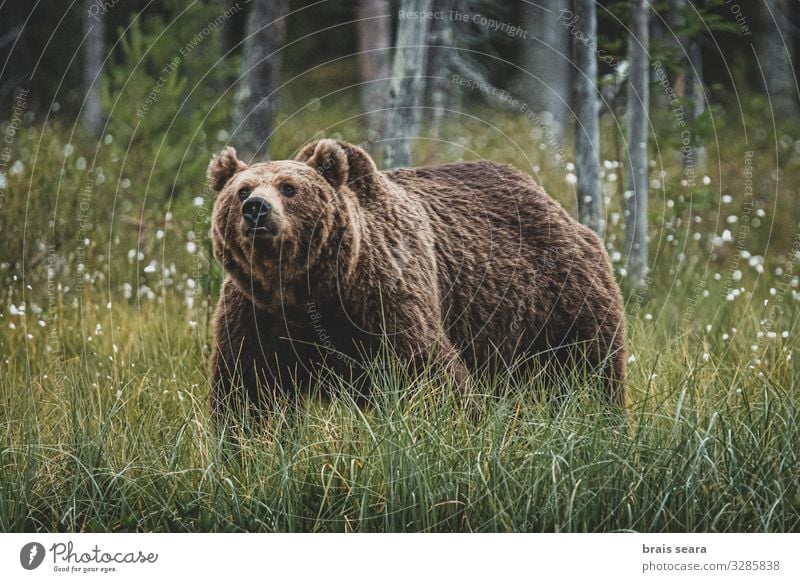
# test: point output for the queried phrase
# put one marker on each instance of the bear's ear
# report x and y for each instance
(329, 159)
(223, 166)
(340, 163)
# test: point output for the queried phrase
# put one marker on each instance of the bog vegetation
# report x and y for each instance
(105, 339)
(109, 287)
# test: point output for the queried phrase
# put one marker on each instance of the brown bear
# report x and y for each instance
(326, 257)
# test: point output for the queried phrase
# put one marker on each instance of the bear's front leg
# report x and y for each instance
(417, 337)
(433, 355)
(233, 363)
(244, 384)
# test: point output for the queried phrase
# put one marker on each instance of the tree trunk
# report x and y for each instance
(678, 42)
(229, 38)
(407, 85)
(546, 60)
(688, 81)
(93, 55)
(696, 102)
(775, 48)
(636, 178)
(256, 99)
(662, 34)
(441, 40)
(587, 122)
(374, 60)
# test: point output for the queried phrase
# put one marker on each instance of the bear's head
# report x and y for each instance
(275, 221)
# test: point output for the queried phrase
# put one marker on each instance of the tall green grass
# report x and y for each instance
(121, 441)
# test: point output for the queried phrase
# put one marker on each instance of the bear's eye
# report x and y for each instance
(244, 193)
(287, 190)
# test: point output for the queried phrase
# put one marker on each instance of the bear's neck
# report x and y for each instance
(337, 263)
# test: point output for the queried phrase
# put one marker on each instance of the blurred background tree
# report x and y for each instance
(776, 44)
(256, 98)
(586, 97)
(637, 156)
(407, 85)
(547, 64)
(375, 64)
(94, 53)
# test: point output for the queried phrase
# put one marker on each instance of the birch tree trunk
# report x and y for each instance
(587, 121)
(256, 99)
(407, 85)
(636, 178)
(546, 60)
(93, 55)
(374, 60)
(774, 43)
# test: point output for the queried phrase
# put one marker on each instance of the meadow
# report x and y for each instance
(105, 339)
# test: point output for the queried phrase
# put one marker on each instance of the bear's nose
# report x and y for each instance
(256, 211)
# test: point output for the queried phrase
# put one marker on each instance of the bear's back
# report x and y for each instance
(510, 259)
(491, 195)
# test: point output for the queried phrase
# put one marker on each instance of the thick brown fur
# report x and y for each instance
(463, 263)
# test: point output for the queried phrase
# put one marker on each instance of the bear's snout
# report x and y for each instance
(256, 213)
